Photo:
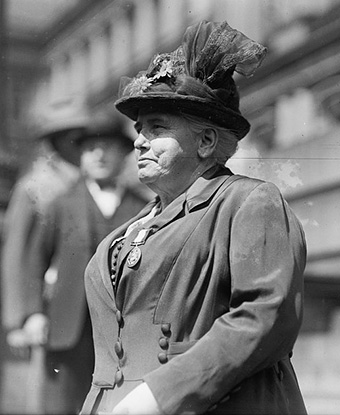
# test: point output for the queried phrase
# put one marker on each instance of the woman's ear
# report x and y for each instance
(208, 142)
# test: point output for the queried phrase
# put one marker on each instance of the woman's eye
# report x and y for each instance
(158, 127)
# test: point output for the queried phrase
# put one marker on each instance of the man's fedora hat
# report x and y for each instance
(197, 78)
(107, 128)
(66, 124)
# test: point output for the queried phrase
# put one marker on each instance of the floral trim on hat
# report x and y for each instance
(138, 85)
(210, 53)
(163, 68)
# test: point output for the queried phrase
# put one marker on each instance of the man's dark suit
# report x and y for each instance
(66, 240)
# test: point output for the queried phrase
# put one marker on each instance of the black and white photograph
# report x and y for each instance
(169, 207)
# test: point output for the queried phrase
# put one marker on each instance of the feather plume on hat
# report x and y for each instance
(197, 78)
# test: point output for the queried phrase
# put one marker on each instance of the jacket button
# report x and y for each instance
(166, 328)
(164, 343)
(162, 357)
(119, 318)
(119, 349)
(118, 377)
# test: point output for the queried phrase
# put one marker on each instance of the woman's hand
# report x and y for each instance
(138, 402)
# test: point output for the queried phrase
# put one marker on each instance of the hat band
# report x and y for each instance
(182, 85)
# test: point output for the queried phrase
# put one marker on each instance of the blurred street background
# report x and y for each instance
(58, 51)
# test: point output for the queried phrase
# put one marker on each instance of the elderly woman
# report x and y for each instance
(197, 301)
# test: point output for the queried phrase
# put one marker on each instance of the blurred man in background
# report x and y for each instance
(50, 169)
(63, 239)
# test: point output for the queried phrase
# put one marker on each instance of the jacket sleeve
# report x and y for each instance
(26, 255)
(266, 259)
(40, 255)
(20, 220)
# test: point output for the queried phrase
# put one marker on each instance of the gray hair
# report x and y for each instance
(227, 142)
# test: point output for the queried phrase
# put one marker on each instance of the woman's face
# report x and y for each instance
(166, 151)
(101, 158)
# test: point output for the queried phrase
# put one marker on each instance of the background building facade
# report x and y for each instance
(83, 48)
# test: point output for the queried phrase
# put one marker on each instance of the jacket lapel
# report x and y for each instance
(199, 193)
(155, 224)
(103, 252)
(206, 187)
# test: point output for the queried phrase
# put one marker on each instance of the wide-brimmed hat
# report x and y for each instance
(60, 123)
(112, 129)
(66, 127)
(67, 142)
(196, 78)
(64, 141)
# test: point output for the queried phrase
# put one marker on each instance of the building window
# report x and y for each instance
(262, 131)
(296, 118)
(327, 93)
(60, 77)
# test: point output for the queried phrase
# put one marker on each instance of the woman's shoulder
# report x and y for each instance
(245, 184)
(244, 188)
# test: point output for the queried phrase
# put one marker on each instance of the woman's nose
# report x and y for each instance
(141, 142)
(99, 152)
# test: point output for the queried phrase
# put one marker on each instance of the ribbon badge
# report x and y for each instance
(135, 254)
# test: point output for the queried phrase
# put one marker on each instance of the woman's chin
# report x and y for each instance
(145, 178)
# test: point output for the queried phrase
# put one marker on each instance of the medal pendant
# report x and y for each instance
(134, 257)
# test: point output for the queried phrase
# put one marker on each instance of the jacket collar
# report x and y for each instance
(199, 193)
(204, 188)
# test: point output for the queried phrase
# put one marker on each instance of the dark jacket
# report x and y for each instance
(66, 239)
(209, 315)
